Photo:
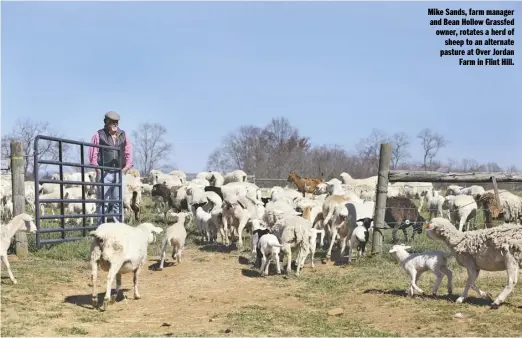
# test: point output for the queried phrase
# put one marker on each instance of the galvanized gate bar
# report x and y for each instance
(62, 216)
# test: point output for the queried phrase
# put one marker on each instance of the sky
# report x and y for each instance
(202, 69)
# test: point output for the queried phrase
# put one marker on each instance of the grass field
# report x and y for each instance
(215, 291)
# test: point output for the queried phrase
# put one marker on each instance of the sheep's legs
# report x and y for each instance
(6, 263)
(264, 265)
(275, 257)
(343, 247)
(414, 279)
(242, 224)
(512, 272)
(470, 283)
(437, 282)
(163, 253)
(118, 287)
(135, 281)
(95, 255)
(289, 263)
(449, 275)
(111, 275)
(332, 241)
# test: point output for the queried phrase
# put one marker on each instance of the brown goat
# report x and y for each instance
(305, 184)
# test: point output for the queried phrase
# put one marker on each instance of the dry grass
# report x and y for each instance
(214, 290)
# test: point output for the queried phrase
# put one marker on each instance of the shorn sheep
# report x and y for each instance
(22, 222)
(495, 249)
(417, 263)
(119, 248)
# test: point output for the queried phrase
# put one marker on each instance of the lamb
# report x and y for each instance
(510, 209)
(22, 222)
(146, 188)
(266, 244)
(247, 189)
(329, 205)
(203, 218)
(286, 194)
(417, 263)
(462, 210)
(494, 249)
(360, 237)
(119, 248)
(175, 235)
(401, 213)
(235, 176)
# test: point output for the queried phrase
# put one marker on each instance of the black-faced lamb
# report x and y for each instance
(266, 248)
(360, 237)
(401, 213)
(119, 248)
(162, 197)
(22, 222)
(417, 263)
(494, 249)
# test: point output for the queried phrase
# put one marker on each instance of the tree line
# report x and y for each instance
(271, 151)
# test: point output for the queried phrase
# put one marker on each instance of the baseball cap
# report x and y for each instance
(112, 115)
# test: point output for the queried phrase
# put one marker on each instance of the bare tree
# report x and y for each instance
(150, 146)
(25, 131)
(369, 147)
(400, 142)
(431, 143)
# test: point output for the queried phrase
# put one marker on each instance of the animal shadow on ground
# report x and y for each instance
(450, 298)
(155, 266)
(244, 260)
(218, 247)
(85, 301)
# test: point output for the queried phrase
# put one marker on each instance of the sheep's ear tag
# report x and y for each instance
(427, 225)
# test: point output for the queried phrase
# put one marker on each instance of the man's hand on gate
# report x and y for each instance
(124, 170)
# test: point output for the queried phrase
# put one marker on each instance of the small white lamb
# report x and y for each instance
(417, 263)
(266, 244)
(22, 222)
(175, 235)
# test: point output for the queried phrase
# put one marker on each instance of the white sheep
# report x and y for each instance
(119, 248)
(240, 210)
(453, 190)
(180, 174)
(146, 188)
(235, 176)
(474, 190)
(22, 222)
(175, 235)
(462, 210)
(215, 178)
(203, 218)
(417, 263)
(494, 249)
(265, 244)
(156, 176)
(434, 204)
(294, 232)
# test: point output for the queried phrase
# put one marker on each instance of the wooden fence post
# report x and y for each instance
(18, 184)
(381, 194)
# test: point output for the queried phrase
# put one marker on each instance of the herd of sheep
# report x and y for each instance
(284, 221)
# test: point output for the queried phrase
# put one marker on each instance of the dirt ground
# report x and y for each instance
(210, 292)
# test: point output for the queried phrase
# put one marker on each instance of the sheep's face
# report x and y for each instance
(436, 227)
(29, 224)
(366, 221)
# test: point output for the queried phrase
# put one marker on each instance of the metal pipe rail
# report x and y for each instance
(61, 163)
